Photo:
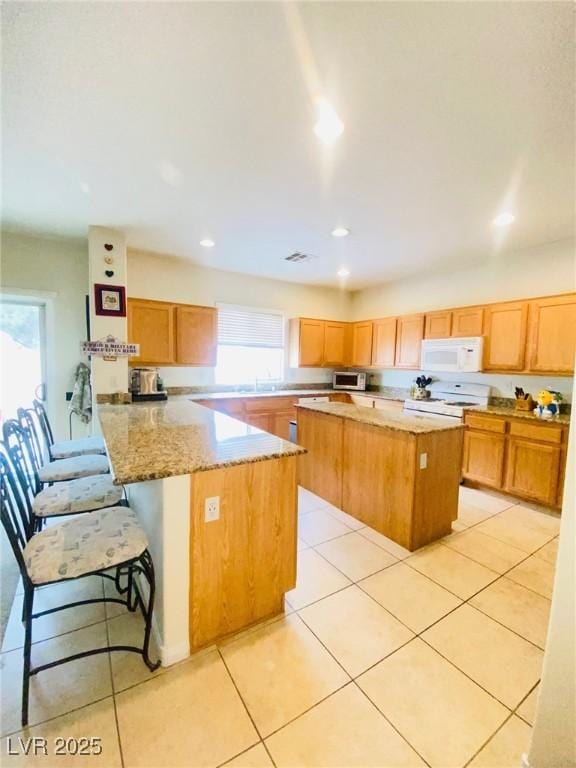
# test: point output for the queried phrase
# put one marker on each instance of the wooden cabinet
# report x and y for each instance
(438, 325)
(484, 457)
(410, 331)
(281, 423)
(335, 343)
(533, 470)
(320, 470)
(505, 340)
(196, 335)
(384, 342)
(151, 325)
(317, 343)
(361, 344)
(362, 400)
(467, 321)
(552, 343)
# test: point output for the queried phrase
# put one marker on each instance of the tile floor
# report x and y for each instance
(382, 658)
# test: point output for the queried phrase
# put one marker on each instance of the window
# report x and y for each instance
(250, 345)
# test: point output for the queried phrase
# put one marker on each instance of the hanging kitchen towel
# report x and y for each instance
(81, 402)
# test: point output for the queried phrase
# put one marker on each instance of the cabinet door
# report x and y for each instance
(334, 343)
(151, 324)
(281, 423)
(260, 420)
(553, 334)
(311, 343)
(505, 336)
(196, 335)
(468, 321)
(409, 341)
(533, 470)
(361, 344)
(438, 325)
(384, 342)
(484, 457)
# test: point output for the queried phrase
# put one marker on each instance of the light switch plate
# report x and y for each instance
(423, 460)
(212, 509)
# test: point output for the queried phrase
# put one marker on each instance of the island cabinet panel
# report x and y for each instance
(409, 340)
(241, 564)
(151, 325)
(384, 342)
(533, 470)
(320, 470)
(335, 343)
(438, 325)
(468, 321)
(552, 342)
(484, 457)
(505, 341)
(361, 344)
(196, 335)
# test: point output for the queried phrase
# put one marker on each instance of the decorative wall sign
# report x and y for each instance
(109, 347)
(110, 300)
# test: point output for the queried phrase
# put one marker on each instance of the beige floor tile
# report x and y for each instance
(114, 609)
(527, 710)
(549, 552)
(316, 579)
(383, 541)
(469, 515)
(343, 517)
(356, 556)
(514, 533)
(129, 668)
(535, 573)
(501, 662)
(492, 553)
(344, 730)
(410, 596)
(318, 526)
(281, 671)
(451, 570)
(457, 526)
(255, 757)
(191, 710)
(355, 629)
(96, 721)
(439, 711)
(490, 501)
(61, 689)
(307, 501)
(59, 623)
(538, 521)
(505, 749)
(518, 608)
(301, 544)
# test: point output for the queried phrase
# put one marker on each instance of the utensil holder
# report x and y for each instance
(524, 405)
(421, 393)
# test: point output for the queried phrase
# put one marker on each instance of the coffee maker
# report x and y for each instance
(144, 385)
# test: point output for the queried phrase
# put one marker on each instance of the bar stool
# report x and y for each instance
(90, 545)
(66, 449)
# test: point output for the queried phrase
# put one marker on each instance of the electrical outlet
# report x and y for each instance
(212, 509)
(423, 460)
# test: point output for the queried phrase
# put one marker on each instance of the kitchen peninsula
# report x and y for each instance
(218, 500)
(398, 474)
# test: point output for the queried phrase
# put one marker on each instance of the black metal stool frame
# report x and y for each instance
(19, 529)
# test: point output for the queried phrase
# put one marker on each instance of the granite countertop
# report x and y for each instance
(148, 441)
(251, 394)
(399, 422)
(511, 413)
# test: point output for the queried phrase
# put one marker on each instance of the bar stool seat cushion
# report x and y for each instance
(83, 545)
(82, 495)
(67, 449)
(71, 469)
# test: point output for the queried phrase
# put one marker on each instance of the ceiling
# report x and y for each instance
(180, 121)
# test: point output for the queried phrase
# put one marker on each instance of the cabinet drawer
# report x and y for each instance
(267, 404)
(548, 434)
(487, 423)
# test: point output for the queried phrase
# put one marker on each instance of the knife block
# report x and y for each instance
(524, 405)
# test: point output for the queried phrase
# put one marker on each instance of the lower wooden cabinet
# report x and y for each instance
(484, 457)
(533, 470)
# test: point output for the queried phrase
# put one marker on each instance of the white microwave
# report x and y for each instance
(458, 355)
(349, 380)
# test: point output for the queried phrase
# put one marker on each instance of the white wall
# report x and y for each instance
(60, 268)
(546, 270)
(164, 278)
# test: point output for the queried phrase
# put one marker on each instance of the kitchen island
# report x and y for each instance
(218, 501)
(397, 473)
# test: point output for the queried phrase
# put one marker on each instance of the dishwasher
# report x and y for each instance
(293, 431)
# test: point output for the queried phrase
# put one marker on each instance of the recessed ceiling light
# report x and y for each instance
(340, 232)
(343, 272)
(503, 219)
(207, 243)
(328, 126)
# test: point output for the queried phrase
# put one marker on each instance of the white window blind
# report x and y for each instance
(245, 327)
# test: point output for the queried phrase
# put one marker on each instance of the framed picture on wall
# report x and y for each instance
(110, 300)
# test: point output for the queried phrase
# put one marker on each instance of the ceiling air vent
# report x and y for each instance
(298, 257)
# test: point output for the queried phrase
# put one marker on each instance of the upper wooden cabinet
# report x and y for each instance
(172, 334)
(335, 343)
(468, 321)
(361, 344)
(196, 335)
(384, 342)
(552, 339)
(317, 343)
(151, 324)
(505, 340)
(410, 331)
(438, 325)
